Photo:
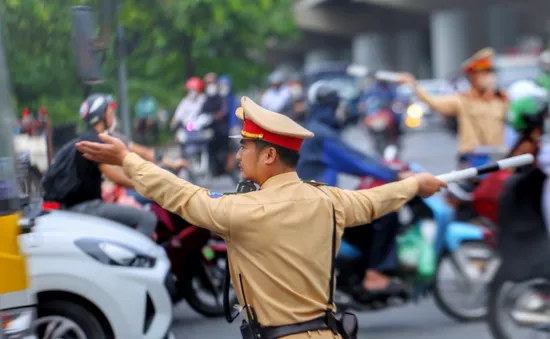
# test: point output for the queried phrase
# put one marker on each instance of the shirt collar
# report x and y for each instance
(281, 180)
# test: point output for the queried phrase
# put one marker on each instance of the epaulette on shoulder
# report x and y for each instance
(314, 183)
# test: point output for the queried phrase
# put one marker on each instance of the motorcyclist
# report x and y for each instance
(381, 95)
(277, 97)
(230, 100)
(230, 106)
(324, 156)
(298, 100)
(25, 126)
(524, 205)
(146, 122)
(215, 105)
(98, 113)
(189, 106)
(528, 113)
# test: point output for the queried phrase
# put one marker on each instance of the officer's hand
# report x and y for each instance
(407, 78)
(428, 184)
(111, 152)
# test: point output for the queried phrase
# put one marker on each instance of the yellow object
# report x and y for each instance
(415, 111)
(12, 262)
(413, 122)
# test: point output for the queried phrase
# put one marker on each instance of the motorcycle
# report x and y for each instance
(29, 177)
(198, 257)
(194, 137)
(519, 293)
(381, 126)
(455, 247)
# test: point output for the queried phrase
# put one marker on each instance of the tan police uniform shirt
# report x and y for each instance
(279, 238)
(481, 121)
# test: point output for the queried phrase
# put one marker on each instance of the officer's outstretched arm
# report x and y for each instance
(193, 203)
(363, 206)
(341, 157)
(445, 104)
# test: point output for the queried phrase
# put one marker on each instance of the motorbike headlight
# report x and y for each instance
(17, 323)
(415, 111)
(116, 254)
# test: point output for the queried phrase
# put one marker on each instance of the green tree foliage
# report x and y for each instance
(168, 40)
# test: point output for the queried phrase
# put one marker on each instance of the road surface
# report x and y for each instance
(436, 151)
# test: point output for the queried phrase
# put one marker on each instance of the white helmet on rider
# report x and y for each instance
(525, 89)
(276, 78)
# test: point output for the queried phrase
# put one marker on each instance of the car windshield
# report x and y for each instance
(9, 202)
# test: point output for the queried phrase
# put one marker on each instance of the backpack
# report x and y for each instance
(61, 178)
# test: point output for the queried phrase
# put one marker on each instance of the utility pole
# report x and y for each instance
(122, 78)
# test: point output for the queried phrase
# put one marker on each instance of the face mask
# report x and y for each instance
(296, 91)
(488, 82)
(211, 90)
(193, 93)
(224, 90)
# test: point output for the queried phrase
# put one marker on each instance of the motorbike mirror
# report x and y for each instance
(390, 153)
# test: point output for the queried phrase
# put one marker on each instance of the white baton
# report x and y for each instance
(472, 172)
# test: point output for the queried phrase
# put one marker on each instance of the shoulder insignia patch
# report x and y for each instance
(314, 183)
(214, 195)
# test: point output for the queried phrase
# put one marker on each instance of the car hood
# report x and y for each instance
(72, 226)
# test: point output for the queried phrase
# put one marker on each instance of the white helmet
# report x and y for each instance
(525, 89)
(312, 91)
(544, 60)
(276, 77)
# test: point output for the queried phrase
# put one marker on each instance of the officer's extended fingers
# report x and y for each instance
(91, 157)
(107, 139)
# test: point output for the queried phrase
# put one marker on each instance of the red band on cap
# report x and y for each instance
(253, 131)
(482, 64)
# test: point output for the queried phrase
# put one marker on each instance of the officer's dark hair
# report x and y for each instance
(287, 156)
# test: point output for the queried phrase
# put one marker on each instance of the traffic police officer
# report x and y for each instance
(279, 238)
(481, 111)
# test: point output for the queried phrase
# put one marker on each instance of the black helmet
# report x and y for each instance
(327, 95)
(93, 109)
(323, 93)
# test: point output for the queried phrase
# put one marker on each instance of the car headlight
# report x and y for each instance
(415, 111)
(116, 254)
(17, 323)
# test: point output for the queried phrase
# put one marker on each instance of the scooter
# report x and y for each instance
(519, 293)
(194, 137)
(432, 218)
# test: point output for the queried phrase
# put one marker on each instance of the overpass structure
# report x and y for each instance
(429, 38)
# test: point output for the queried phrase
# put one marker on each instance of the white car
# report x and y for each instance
(95, 278)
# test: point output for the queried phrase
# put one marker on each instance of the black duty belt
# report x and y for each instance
(275, 332)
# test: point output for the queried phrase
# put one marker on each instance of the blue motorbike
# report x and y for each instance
(458, 256)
